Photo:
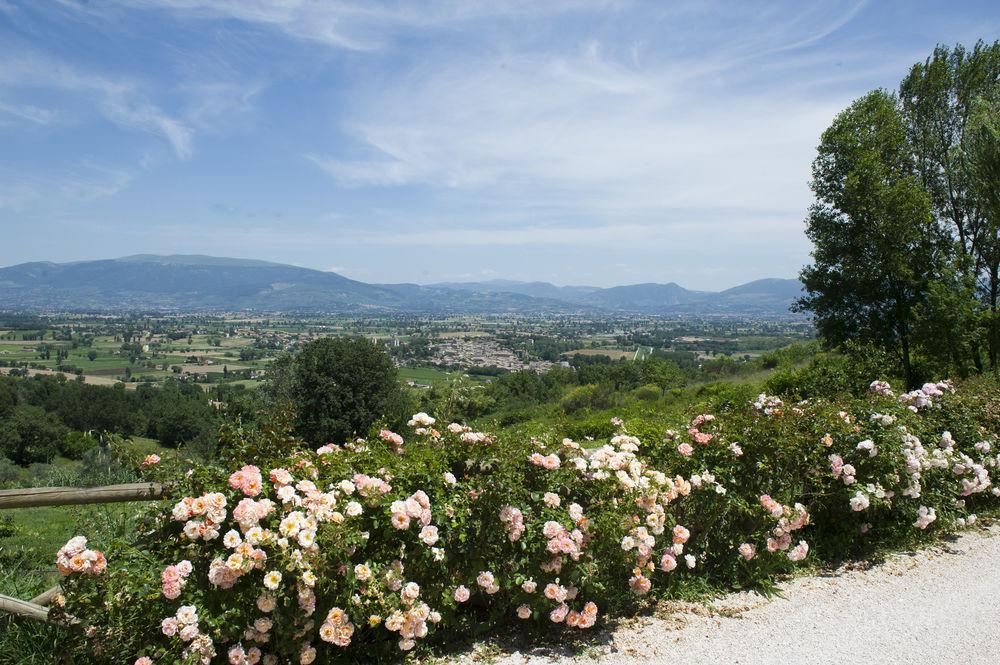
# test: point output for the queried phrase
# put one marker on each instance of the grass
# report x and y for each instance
(29, 539)
(614, 354)
(427, 375)
(37, 531)
(250, 384)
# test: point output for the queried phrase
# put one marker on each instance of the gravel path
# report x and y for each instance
(940, 605)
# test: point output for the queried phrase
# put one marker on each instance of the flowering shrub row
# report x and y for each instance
(285, 553)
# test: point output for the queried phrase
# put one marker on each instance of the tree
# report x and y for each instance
(937, 98)
(30, 435)
(981, 150)
(948, 323)
(92, 355)
(341, 386)
(662, 373)
(873, 233)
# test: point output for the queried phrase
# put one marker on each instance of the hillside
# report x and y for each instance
(192, 282)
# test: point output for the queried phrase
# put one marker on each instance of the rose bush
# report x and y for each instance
(284, 552)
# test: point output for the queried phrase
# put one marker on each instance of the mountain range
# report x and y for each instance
(149, 282)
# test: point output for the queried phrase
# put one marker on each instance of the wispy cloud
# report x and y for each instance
(82, 182)
(835, 23)
(586, 131)
(363, 25)
(119, 100)
(28, 112)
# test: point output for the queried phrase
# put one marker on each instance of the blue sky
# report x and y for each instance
(578, 142)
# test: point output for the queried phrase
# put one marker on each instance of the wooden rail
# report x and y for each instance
(29, 610)
(65, 496)
(46, 597)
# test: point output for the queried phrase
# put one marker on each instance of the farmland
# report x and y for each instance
(214, 350)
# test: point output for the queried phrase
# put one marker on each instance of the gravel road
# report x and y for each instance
(940, 605)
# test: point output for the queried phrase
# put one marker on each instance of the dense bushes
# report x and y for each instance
(362, 550)
(833, 374)
(594, 382)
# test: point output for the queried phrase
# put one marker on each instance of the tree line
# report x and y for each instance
(41, 417)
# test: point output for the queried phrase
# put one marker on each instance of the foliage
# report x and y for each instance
(341, 386)
(29, 434)
(834, 375)
(363, 550)
(981, 150)
(907, 242)
(872, 231)
(37, 412)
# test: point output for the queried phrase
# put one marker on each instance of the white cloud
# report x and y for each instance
(674, 112)
(584, 132)
(118, 100)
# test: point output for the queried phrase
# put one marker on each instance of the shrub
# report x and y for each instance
(831, 375)
(589, 396)
(364, 550)
(75, 444)
(9, 472)
(647, 393)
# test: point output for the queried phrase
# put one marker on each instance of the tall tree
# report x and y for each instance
(937, 98)
(873, 232)
(981, 156)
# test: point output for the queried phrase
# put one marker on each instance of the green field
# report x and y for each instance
(427, 375)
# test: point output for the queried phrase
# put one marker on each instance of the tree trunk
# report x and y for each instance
(992, 339)
(907, 369)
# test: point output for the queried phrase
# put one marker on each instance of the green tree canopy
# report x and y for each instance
(939, 101)
(341, 386)
(30, 434)
(981, 152)
(873, 233)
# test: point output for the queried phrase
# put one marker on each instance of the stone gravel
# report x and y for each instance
(939, 605)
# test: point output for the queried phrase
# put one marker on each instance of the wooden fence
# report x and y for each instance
(36, 608)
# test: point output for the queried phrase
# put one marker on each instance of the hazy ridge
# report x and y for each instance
(198, 283)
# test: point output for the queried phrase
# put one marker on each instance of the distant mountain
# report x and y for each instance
(575, 294)
(644, 297)
(184, 283)
(763, 296)
(767, 288)
(199, 260)
(207, 283)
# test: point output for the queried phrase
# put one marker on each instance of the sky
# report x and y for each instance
(578, 142)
